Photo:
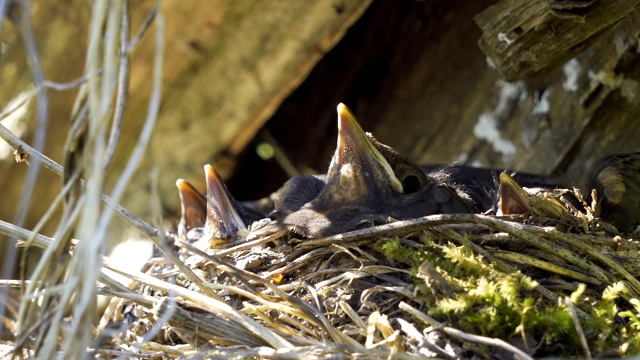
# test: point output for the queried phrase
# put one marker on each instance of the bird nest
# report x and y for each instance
(446, 286)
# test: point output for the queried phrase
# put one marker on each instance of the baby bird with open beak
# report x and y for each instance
(193, 206)
(368, 183)
(213, 219)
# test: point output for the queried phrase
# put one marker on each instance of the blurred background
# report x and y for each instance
(251, 87)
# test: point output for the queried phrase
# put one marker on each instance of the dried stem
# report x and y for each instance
(463, 335)
(16, 143)
(122, 90)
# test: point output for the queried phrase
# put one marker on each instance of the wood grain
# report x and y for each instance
(529, 38)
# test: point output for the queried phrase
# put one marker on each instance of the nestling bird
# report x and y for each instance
(363, 186)
(301, 189)
(545, 202)
(616, 180)
(483, 184)
(223, 221)
(480, 184)
(226, 218)
(296, 192)
(215, 218)
(193, 206)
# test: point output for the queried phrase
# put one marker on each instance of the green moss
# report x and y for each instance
(631, 333)
(493, 303)
(554, 324)
(395, 251)
(609, 327)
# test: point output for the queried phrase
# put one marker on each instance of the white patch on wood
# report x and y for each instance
(487, 129)
(490, 63)
(541, 107)
(620, 41)
(502, 37)
(571, 71)
(462, 158)
(487, 126)
(630, 90)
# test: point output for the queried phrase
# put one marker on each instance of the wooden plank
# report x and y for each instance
(257, 53)
(529, 38)
(228, 65)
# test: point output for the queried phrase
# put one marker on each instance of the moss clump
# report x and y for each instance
(492, 303)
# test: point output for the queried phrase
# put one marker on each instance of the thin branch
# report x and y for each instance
(463, 335)
(44, 242)
(46, 84)
(84, 268)
(19, 103)
(17, 143)
(576, 323)
(545, 265)
(23, 234)
(4, 6)
(39, 136)
(38, 140)
(212, 305)
(532, 235)
(68, 85)
(122, 89)
(142, 31)
(150, 122)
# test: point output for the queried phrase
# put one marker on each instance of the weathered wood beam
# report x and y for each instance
(529, 38)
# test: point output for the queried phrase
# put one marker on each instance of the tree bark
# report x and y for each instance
(529, 38)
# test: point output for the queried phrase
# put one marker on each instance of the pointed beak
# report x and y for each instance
(355, 147)
(223, 221)
(513, 198)
(193, 206)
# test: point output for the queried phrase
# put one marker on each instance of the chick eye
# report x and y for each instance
(410, 184)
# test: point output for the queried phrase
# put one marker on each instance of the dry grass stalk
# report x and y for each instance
(74, 277)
